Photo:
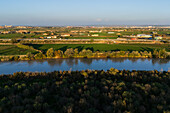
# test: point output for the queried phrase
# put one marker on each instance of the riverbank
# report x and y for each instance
(43, 51)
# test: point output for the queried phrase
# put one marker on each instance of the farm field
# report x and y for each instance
(102, 47)
(13, 50)
(11, 36)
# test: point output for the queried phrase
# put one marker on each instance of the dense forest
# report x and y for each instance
(88, 91)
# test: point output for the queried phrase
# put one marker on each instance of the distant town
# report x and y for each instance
(87, 32)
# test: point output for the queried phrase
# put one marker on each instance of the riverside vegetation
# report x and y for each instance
(88, 91)
(74, 53)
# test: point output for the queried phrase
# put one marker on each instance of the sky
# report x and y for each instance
(84, 12)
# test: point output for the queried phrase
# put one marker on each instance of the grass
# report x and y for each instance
(102, 47)
(13, 50)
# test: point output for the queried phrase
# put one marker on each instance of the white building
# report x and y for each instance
(95, 35)
(144, 36)
(111, 32)
(48, 37)
(65, 35)
(95, 31)
(158, 38)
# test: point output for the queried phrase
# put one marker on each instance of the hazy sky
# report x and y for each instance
(84, 12)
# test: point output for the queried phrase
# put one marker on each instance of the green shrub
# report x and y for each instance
(16, 58)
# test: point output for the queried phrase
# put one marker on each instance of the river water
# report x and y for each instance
(83, 64)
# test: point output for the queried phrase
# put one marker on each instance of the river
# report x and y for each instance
(83, 64)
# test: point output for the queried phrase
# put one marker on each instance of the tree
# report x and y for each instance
(86, 53)
(153, 36)
(13, 40)
(30, 56)
(58, 54)
(39, 56)
(76, 52)
(16, 58)
(155, 54)
(145, 53)
(162, 53)
(69, 53)
(50, 53)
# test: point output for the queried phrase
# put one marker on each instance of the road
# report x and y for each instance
(79, 40)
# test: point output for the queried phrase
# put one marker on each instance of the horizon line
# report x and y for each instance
(86, 25)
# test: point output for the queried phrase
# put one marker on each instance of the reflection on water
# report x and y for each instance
(71, 62)
(82, 64)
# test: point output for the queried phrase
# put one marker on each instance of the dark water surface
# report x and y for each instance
(83, 64)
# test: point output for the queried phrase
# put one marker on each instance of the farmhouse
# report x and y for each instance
(95, 31)
(65, 35)
(6, 26)
(48, 37)
(158, 38)
(111, 32)
(21, 27)
(5, 32)
(144, 36)
(74, 31)
(22, 31)
(45, 34)
(95, 35)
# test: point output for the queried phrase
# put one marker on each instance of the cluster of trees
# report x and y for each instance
(9, 41)
(13, 40)
(160, 54)
(74, 53)
(85, 92)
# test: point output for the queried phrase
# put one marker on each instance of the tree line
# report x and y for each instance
(74, 53)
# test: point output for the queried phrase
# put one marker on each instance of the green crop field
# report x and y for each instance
(13, 50)
(135, 32)
(10, 36)
(102, 47)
